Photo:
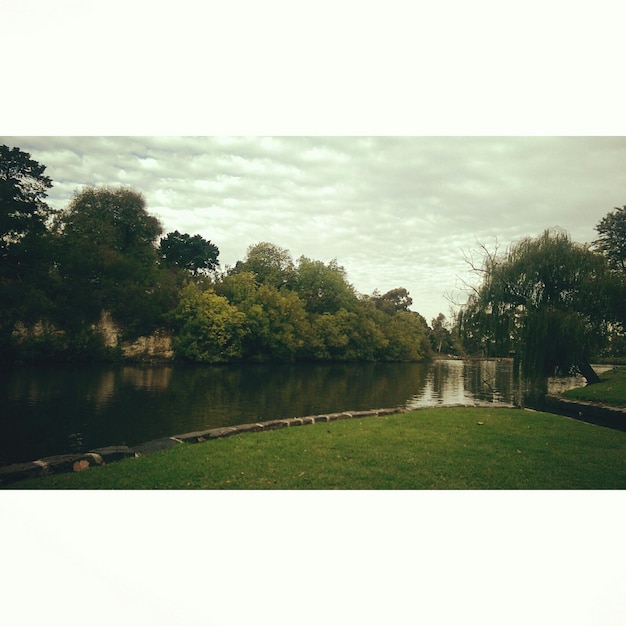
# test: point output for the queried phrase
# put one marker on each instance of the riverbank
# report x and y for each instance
(610, 391)
(438, 448)
(602, 404)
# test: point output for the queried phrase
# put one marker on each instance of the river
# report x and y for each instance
(50, 411)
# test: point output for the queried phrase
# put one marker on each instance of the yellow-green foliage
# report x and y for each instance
(303, 311)
(209, 329)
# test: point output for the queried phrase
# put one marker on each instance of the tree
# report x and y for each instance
(331, 336)
(612, 238)
(23, 213)
(25, 255)
(406, 333)
(208, 328)
(276, 322)
(193, 254)
(612, 243)
(278, 325)
(393, 301)
(270, 264)
(549, 299)
(310, 311)
(324, 288)
(107, 259)
(440, 335)
(114, 217)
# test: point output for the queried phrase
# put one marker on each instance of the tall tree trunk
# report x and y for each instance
(587, 371)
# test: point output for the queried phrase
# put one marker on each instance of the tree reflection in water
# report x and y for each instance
(54, 411)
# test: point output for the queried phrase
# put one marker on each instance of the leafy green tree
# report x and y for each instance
(310, 311)
(393, 301)
(270, 264)
(441, 336)
(549, 299)
(324, 288)
(208, 329)
(612, 238)
(278, 325)
(276, 322)
(193, 254)
(331, 336)
(25, 255)
(107, 260)
(23, 212)
(407, 337)
(114, 217)
(368, 340)
(612, 243)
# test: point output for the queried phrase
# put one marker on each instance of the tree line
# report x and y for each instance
(552, 303)
(61, 271)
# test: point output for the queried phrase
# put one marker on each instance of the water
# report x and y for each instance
(61, 410)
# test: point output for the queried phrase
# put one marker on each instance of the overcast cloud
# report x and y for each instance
(394, 211)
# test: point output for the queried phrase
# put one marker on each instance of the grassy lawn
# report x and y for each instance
(611, 390)
(441, 448)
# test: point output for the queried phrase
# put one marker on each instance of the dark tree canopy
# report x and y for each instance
(193, 254)
(25, 253)
(107, 258)
(440, 335)
(23, 212)
(113, 217)
(612, 238)
(393, 301)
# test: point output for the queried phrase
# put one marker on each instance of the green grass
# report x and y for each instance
(611, 390)
(443, 448)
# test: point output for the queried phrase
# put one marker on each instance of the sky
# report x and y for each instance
(399, 211)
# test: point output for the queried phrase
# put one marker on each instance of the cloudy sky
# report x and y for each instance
(394, 211)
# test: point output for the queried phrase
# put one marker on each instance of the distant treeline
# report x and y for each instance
(105, 253)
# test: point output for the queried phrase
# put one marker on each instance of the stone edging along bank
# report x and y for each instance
(63, 463)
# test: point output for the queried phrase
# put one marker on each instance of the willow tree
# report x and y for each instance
(549, 299)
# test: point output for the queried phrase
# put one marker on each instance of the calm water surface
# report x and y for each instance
(56, 411)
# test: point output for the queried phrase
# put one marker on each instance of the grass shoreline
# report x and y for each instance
(458, 453)
(431, 448)
(610, 391)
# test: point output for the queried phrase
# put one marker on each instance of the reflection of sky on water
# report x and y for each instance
(480, 383)
(445, 384)
(466, 383)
